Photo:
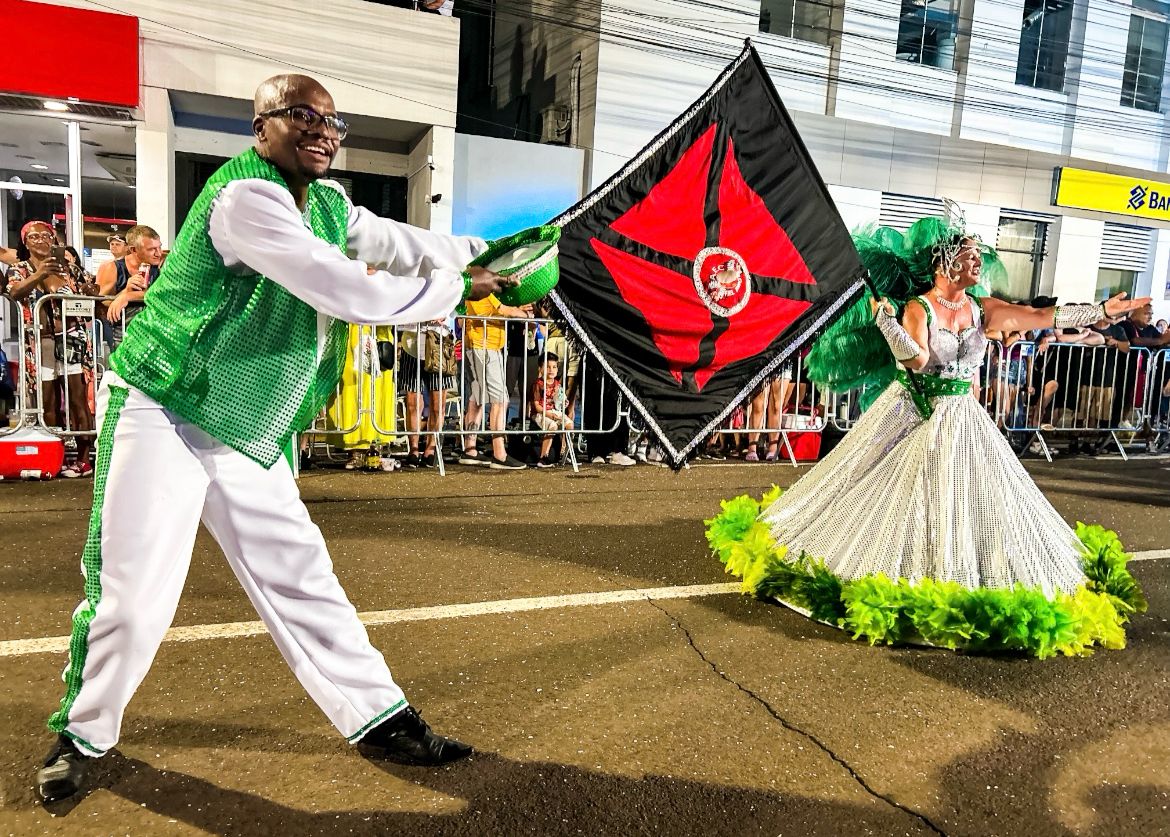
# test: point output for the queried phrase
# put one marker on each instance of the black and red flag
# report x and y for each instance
(707, 260)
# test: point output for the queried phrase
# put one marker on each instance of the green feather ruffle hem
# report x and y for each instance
(945, 614)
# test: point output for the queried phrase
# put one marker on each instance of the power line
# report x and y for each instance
(649, 42)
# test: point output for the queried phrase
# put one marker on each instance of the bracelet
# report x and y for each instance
(1080, 314)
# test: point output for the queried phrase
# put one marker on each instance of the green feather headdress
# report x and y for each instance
(852, 354)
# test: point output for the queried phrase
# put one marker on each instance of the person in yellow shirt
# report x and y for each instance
(483, 354)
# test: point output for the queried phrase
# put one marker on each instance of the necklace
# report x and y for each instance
(953, 306)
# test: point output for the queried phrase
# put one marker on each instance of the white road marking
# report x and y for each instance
(235, 630)
(1151, 555)
(232, 630)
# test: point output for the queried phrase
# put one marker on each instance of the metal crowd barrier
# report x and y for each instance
(518, 371)
(1070, 388)
(1158, 402)
(787, 403)
(1034, 391)
(1030, 391)
(83, 349)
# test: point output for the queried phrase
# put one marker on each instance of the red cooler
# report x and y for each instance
(805, 441)
(806, 446)
(30, 453)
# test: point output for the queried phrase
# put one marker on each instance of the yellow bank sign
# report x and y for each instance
(1118, 193)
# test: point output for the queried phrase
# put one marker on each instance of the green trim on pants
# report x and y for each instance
(91, 562)
(381, 716)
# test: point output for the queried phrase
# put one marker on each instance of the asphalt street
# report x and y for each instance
(707, 713)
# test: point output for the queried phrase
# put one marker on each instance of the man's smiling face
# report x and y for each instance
(304, 152)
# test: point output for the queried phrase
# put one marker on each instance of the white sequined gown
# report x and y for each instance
(942, 498)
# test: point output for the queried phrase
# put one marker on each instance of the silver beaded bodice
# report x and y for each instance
(955, 355)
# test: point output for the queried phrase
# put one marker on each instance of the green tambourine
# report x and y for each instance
(530, 256)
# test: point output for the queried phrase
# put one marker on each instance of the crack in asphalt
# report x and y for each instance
(788, 725)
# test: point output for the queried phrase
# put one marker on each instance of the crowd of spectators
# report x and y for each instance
(1044, 382)
(521, 382)
(62, 344)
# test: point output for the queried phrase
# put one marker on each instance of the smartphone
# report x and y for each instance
(57, 252)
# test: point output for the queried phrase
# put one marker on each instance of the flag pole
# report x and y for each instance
(915, 381)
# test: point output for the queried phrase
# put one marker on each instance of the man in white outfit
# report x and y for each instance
(241, 341)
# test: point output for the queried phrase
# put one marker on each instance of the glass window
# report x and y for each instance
(1044, 43)
(1111, 281)
(1145, 55)
(805, 20)
(926, 32)
(1021, 245)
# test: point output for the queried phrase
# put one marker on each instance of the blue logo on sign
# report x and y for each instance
(1137, 197)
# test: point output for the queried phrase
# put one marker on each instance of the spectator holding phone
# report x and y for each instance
(66, 345)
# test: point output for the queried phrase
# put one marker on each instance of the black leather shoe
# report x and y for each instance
(64, 770)
(405, 738)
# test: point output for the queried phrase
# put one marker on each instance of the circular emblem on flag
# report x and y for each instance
(722, 280)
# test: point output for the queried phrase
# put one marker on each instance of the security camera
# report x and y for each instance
(436, 198)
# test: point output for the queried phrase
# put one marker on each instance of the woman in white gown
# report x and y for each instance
(922, 525)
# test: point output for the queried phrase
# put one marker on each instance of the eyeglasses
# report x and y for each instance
(307, 119)
(40, 236)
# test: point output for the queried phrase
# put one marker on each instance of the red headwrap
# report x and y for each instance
(24, 231)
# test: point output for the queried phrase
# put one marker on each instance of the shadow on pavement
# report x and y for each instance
(502, 796)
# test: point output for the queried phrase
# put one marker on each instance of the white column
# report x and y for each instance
(1078, 256)
(858, 207)
(155, 176)
(431, 175)
(75, 221)
(982, 220)
(1155, 282)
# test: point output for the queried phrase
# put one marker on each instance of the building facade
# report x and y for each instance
(1044, 119)
(192, 68)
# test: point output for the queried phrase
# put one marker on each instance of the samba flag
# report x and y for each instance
(696, 270)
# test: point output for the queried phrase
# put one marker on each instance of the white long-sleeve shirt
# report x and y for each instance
(255, 225)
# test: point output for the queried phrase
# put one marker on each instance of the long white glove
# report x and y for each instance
(900, 342)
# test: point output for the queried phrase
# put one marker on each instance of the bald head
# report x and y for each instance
(284, 90)
(291, 132)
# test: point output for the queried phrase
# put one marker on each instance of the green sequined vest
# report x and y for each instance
(235, 353)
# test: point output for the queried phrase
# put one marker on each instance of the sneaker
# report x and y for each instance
(306, 461)
(618, 458)
(716, 453)
(411, 460)
(84, 469)
(64, 770)
(429, 460)
(752, 455)
(70, 473)
(473, 457)
(598, 460)
(407, 739)
(546, 462)
(508, 463)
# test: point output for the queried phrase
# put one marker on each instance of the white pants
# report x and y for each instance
(157, 476)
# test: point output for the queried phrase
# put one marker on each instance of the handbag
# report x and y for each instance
(386, 355)
(439, 355)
